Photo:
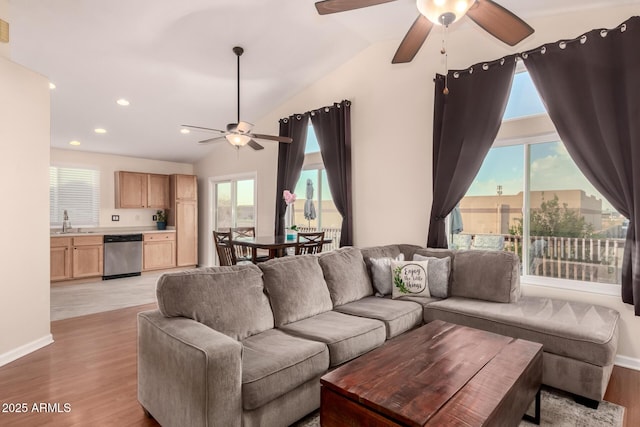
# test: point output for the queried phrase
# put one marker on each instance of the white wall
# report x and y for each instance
(392, 116)
(5, 51)
(108, 165)
(24, 191)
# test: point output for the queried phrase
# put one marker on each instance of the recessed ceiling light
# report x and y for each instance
(100, 130)
(51, 86)
(74, 142)
(122, 102)
(185, 131)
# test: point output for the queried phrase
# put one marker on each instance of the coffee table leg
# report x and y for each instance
(536, 418)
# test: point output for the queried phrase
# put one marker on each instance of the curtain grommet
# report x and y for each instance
(562, 45)
(502, 61)
(525, 55)
(485, 66)
(623, 28)
(470, 70)
(543, 50)
(456, 75)
(583, 39)
(604, 33)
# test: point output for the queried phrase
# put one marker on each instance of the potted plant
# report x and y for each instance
(161, 220)
(291, 232)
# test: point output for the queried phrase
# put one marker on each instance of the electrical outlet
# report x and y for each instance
(155, 217)
(115, 217)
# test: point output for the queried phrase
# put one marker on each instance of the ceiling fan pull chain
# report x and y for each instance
(443, 51)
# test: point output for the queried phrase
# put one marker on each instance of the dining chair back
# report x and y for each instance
(309, 243)
(243, 253)
(224, 248)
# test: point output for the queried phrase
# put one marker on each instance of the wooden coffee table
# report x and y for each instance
(439, 374)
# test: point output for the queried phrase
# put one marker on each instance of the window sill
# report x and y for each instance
(572, 285)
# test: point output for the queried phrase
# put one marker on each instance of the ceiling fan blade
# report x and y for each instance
(499, 22)
(200, 128)
(284, 139)
(253, 144)
(332, 6)
(211, 140)
(413, 40)
(244, 127)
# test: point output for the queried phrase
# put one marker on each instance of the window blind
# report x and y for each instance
(77, 191)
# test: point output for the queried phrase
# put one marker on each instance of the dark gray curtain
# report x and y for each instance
(332, 126)
(591, 88)
(290, 159)
(465, 124)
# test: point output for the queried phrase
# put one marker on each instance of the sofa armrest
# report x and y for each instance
(188, 373)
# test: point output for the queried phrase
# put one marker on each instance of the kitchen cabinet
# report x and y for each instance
(157, 191)
(76, 257)
(135, 190)
(183, 214)
(159, 251)
(87, 258)
(60, 266)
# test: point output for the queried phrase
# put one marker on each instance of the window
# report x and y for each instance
(313, 182)
(78, 192)
(530, 191)
(235, 203)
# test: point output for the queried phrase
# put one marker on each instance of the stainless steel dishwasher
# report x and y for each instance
(122, 255)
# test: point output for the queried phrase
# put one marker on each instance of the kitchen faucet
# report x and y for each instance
(66, 224)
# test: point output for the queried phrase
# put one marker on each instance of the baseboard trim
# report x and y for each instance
(628, 362)
(23, 350)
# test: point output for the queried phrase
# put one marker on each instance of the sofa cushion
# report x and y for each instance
(410, 278)
(346, 336)
(346, 275)
(486, 275)
(439, 271)
(296, 288)
(566, 328)
(381, 274)
(398, 316)
(274, 363)
(207, 294)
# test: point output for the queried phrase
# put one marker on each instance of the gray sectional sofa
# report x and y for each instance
(246, 345)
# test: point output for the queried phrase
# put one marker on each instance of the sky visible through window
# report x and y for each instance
(551, 166)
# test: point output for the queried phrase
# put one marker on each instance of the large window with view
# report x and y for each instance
(314, 209)
(532, 198)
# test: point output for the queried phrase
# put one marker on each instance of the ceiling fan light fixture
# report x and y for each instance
(444, 12)
(238, 140)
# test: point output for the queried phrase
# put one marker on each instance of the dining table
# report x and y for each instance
(276, 245)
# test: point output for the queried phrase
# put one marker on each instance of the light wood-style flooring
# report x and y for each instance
(91, 366)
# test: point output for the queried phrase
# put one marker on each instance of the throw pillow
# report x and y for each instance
(438, 274)
(346, 275)
(409, 278)
(381, 274)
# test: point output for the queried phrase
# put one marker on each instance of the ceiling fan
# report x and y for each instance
(238, 134)
(490, 16)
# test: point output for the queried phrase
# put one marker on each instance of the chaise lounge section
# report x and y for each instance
(246, 345)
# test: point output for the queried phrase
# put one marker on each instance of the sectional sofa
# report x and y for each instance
(246, 345)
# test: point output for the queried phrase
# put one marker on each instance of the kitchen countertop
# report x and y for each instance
(110, 231)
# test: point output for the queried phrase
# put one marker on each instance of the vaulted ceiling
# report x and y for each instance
(173, 61)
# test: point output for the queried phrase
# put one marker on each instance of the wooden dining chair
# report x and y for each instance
(309, 243)
(243, 253)
(224, 248)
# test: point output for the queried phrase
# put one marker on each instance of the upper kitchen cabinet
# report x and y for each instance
(184, 187)
(141, 190)
(158, 191)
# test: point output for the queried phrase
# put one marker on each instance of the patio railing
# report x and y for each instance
(587, 259)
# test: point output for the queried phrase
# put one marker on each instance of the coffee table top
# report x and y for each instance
(413, 377)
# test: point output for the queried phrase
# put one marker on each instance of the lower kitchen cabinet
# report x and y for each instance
(60, 258)
(159, 251)
(76, 257)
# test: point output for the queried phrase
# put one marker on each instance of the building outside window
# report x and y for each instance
(530, 191)
(78, 192)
